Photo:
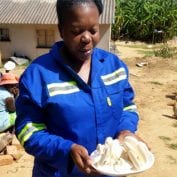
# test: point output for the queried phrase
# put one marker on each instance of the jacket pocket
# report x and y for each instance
(115, 100)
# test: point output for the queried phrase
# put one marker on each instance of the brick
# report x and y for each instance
(19, 147)
(2, 134)
(16, 143)
(5, 140)
(6, 160)
(13, 151)
(15, 140)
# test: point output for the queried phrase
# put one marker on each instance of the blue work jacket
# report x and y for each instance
(56, 108)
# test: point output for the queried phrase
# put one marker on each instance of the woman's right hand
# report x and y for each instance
(82, 160)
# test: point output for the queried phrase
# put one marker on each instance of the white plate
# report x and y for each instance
(112, 171)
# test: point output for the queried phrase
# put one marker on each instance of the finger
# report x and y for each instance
(85, 157)
(94, 172)
(140, 139)
(79, 161)
(87, 160)
(77, 152)
(123, 134)
(88, 171)
(83, 161)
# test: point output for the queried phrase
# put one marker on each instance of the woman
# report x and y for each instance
(8, 93)
(74, 97)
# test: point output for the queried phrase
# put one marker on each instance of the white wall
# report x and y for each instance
(105, 32)
(23, 40)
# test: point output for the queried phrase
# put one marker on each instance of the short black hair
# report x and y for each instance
(64, 5)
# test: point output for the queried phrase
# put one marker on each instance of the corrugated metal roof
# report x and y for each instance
(42, 12)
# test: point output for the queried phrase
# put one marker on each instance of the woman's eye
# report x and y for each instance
(76, 32)
(93, 31)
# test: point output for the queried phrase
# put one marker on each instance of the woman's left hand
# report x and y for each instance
(125, 133)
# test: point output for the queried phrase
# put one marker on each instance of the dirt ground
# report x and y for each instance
(155, 85)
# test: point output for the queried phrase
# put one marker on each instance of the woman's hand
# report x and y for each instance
(82, 160)
(125, 133)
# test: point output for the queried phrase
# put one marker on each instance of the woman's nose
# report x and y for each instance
(85, 38)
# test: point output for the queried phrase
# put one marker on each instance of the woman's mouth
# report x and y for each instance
(86, 53)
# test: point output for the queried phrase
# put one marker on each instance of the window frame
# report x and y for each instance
(4, 35)
(45, 38)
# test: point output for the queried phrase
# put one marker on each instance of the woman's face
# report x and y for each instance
(13, 88)
(80, 31)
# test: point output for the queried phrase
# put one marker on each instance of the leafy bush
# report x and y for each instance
(165, 51)
(145, 20)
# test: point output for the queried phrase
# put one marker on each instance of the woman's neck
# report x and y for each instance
(82, 68)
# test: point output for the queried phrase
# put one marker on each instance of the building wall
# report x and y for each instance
(105, 32)
(23, 40)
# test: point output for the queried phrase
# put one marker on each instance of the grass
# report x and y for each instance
(147, 53)
(165, 51)
(164, 138)
(141, 46)
(166, 141)
(137, 46)
(156, 83)
(172, 146)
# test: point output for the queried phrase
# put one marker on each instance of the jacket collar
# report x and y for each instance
(96, 67)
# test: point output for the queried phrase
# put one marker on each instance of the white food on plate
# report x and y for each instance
(112, 155)
(137, 151)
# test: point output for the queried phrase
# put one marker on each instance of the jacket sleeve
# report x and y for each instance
(129, 119)
(33, 134)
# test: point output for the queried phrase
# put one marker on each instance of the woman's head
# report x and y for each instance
(12, 88)
(79, 26)
(10, 82)
(63, 6)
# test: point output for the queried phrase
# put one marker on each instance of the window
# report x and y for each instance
(45, 38)
(4, 34)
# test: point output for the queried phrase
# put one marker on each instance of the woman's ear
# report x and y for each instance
(60, 31)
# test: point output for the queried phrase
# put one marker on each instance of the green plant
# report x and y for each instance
(119, 21)
(147, 53)
(146, 20)
(164, 138)
(172, 146)
(156, 83)
(165, 51)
